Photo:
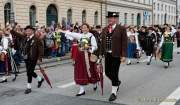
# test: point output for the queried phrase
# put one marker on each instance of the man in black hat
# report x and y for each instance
(150, 40)
(32, 53)
(114, 47)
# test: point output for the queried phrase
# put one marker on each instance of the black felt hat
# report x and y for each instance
(112, 14)
(29, 27)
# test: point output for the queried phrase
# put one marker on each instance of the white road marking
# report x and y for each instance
(172, 98)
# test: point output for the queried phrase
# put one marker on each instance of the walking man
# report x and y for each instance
(114, 47)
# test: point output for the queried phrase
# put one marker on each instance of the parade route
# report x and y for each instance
(141, 85)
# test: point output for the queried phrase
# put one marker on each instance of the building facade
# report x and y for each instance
(178, 12)
(46, 11)
(132, 12)
(164, 12)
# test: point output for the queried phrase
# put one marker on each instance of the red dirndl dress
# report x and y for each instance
(81, 76)
(74, 50)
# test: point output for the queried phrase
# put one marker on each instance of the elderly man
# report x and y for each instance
(114, 47)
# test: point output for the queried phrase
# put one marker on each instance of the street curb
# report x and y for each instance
(47, 61)
(49, 65)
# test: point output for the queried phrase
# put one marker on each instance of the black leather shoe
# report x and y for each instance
(40, 83)
(27, 91)
(148, 63)
(128, 63)
(3, 81)
(112, 97)
(165, 67)
(118, 85)
(95, 88)
(81, 94)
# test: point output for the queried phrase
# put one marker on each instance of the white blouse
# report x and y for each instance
(78, 36)
(136, 38)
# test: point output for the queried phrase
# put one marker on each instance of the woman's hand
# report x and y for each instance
(123, 59)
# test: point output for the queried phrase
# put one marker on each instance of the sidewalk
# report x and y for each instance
(51, 62)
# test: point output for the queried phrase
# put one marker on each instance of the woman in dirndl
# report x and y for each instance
(84, 69)
(74, 46)
(133, 45)
(166, 46)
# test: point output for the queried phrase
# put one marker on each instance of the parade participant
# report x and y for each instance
(158, 34)
(84, 69)
(166, 46)
(178, 40)
(114, 47)
(6, 42)
(74, 47)
(150, 40)
(32, 53)
(133, 45)
(97, 34)
(141, 36)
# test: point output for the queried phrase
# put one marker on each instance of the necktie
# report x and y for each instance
(110, 29)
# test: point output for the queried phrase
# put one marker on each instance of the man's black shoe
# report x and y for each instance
(3, 81)
(81, 94)
(40, 83)
(113, 97)
(27, 91)
(148, 63)
(95, 88)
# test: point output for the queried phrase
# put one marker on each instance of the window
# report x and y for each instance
(51, 14)
(175, 9)
(162, 19)
(32, 15)
(158, 19)
(154, 18)
(132, 19)
(154, 4)
(7, 13)
(69, 16)
(162, 7)
(84, 16)
(125, 18)
(149, 19)
(158, 6)
(96, 18)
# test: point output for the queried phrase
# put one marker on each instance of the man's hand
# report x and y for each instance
(123, 59)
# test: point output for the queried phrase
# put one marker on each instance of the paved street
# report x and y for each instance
(141, 85)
